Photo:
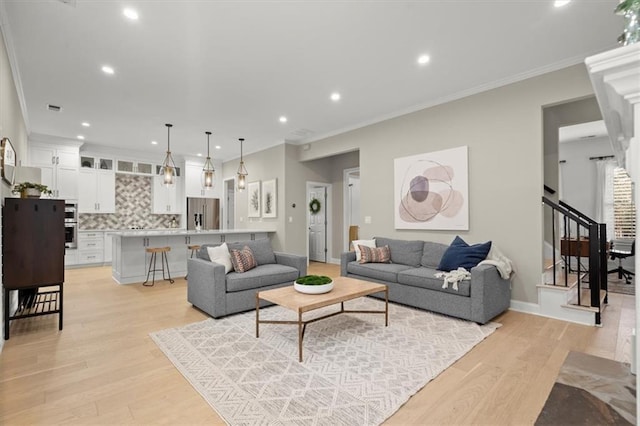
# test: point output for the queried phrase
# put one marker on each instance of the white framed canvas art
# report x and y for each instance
(253, 202)
(431, 190)
(269, 198)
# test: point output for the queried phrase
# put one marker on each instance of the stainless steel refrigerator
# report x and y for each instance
(203, 211)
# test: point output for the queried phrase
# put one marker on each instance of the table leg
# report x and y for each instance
(386, 307)
(6, 314)
(61, 307)
(257, 316)
(300, 336)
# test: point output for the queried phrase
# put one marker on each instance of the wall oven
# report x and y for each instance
(71, 226)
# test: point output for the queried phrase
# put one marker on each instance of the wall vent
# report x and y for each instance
(54, 108)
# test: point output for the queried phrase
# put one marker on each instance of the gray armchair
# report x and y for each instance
(218, 294)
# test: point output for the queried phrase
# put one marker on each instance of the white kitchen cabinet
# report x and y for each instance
(135, 167)
(59, 168)
(90, 247)
(167, 199)
(108, 247)
(193, 180)
(97, 191)
(70, 257)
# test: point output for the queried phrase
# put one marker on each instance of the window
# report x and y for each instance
(624, 211)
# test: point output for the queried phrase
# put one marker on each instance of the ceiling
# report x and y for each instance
(234, 67)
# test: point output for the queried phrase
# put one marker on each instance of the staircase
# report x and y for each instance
(574, 281)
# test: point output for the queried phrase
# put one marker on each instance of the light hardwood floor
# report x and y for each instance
(104, 369)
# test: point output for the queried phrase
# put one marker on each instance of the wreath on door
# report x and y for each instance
(314, 206)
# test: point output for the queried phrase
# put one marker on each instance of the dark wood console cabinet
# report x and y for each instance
(33, 245)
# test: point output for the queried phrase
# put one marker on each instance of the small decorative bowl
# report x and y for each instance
(313, 289)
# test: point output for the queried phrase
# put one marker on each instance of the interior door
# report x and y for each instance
(318, 226)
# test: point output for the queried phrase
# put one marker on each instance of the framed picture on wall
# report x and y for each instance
(432, 190)
(8, 160)
(269, 198)
(253, 202)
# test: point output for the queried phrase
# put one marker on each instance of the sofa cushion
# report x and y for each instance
(358, 243)
(425, 278)
(221, 255)
(374, 254)
(261, 276)
(242, 260)
(462, 255)
(402, 251)
(432, 254)
(262, 251)
(380, 271)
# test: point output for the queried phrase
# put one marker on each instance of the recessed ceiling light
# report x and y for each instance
(85, 124)
(199, 155)
(335, 96)
(560, 3)
(131, 14)
(107, 69)
(80, 137)
(154, 142)
(283, 119)
(218, 147)
(423, 59)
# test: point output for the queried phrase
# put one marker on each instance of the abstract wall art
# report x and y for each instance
(431, 191)
(253, 192)
(269, 198)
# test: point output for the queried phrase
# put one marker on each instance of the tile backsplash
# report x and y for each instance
(133, 207)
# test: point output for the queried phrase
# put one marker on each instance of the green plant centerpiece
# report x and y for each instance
(313, 284)
(30, 190)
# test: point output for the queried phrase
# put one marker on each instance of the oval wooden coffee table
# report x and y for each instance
(343, 289)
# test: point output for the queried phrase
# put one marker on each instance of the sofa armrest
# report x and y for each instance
(293, 260)
(207, 286)
(346, 257)
(490, 293)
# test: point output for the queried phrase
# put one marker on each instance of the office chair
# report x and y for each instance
(621, 249)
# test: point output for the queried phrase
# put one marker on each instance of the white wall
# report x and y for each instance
(579, 173)
(503, 130)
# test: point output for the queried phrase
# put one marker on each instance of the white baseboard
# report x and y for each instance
(334, 261)
(526, 307)
(534, 309)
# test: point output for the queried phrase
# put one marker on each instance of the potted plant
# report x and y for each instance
(30, 190)
(313, 284)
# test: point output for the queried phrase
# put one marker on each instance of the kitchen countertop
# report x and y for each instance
(172, 231)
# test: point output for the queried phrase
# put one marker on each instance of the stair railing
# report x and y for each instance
(574, 220)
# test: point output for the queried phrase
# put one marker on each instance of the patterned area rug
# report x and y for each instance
(355, 371)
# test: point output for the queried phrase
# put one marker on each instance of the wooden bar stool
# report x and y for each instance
(193, 248)
(152, 261)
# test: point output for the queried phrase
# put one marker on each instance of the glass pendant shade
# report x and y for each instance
(208, 177)
(242, 171)
(168, 169)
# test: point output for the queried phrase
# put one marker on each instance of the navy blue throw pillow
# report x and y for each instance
(460, 254)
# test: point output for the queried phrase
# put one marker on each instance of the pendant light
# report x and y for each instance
(208, 172)
(168, 169)
(242, 171)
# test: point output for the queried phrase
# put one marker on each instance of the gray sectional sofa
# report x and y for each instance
(219, 294)
(411, 281)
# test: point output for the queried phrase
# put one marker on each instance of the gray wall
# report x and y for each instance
(12, 126)
(504, 131)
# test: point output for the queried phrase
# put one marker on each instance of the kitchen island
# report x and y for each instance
(130, 261)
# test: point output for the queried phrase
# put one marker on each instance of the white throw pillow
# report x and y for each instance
(356, 243)
(220, 254)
